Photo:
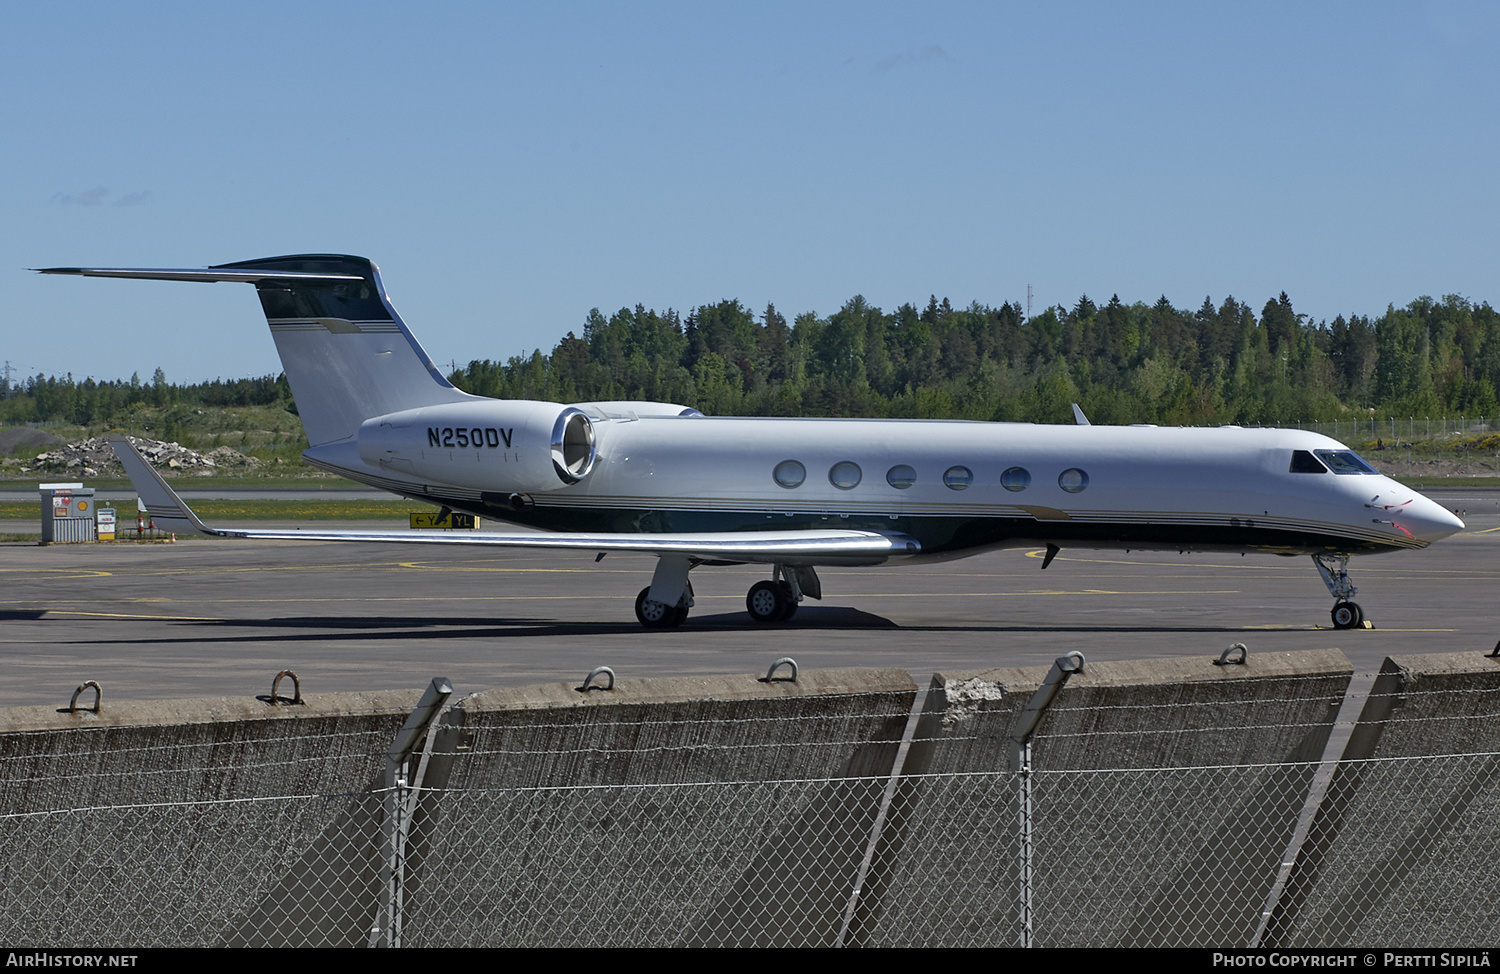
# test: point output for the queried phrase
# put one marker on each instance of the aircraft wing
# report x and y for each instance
(852, 547)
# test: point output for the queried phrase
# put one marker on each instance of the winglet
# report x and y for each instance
(1079, 416)
(160, 501)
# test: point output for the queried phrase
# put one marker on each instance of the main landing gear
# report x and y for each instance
(776, 600)
(769, 601)
(655, 615)
(1333, 568)
(674, 594)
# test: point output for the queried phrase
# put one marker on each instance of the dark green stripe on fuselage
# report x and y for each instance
(938, 534)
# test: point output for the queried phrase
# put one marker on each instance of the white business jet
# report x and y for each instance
(793, 494)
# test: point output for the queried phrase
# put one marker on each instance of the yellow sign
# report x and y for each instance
(431, 519)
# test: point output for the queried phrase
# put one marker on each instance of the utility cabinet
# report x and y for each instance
(67, 513)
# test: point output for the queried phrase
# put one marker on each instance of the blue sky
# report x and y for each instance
(510, 167)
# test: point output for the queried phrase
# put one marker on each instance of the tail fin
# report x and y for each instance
(347, 354)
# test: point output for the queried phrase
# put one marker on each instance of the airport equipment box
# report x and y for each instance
(67, 513)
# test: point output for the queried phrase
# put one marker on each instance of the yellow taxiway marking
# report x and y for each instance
(1042, 553)
(127, 615)
(1332, 629)
(522, 598)
(1291, 566)
(550, 598)
(426, 567)
(150, 572)
(1025, 592)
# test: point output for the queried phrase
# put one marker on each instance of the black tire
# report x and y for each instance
(654, 615)
(766, 602)
(1346, 615)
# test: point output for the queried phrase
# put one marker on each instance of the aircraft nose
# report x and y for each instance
(1429, 521)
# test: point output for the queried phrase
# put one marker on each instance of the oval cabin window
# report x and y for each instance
(901, 476)
(845, 475)
(958, 478)
(789, 474)
(1072, 480)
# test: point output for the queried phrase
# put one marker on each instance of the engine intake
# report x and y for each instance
(573, 445)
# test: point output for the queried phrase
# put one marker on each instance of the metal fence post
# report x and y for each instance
(1020, 739)
(386, 930)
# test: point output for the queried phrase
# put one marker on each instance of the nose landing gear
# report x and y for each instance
(1347, 615)
(1333, 568)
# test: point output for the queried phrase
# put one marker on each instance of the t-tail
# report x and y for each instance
(347, 354)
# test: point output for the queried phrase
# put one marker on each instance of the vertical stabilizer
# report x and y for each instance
(347, 354)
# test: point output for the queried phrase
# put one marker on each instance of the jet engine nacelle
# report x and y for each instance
(492, 444)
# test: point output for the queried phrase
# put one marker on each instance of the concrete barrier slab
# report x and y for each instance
(171, 822)
(1179, 848)
(697, 810)
(1405, 847)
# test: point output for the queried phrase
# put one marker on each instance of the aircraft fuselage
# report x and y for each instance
(954, 486)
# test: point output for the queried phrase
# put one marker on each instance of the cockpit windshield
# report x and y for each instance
(1304, 462)
(1345, 462)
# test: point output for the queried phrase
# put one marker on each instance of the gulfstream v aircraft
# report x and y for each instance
(793, 494)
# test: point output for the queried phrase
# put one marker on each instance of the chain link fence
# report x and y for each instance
(628, 866)
(1401, 851)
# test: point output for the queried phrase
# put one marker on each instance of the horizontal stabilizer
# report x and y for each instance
(211, 275)
(813, 546)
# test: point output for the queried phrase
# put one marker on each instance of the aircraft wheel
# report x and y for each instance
(1347, 615)
(655, 615)
(679, 614)
(791, 602)
(766, 602)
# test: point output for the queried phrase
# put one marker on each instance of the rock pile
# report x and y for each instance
(94, 457)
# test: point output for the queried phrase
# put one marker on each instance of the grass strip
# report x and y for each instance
(258, 509)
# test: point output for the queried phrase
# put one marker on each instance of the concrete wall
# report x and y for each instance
(1405, 850)
(166, 823)
(695, 810)
(1136, 857)
(723, 810)
(601, 814)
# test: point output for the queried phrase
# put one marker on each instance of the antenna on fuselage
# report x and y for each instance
(1079, 416)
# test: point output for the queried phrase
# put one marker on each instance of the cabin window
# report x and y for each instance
(845, 475)
(1304, 462)
(901, 476)
(1016, 478)
(958, 478)
(789, 474)
(1344, 461)
(1072, 480)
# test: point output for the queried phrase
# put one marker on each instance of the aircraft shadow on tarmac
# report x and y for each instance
(326, 628)
(336, 628)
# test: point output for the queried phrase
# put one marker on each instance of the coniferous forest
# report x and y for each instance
(1123, 363)
(1222, 363)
